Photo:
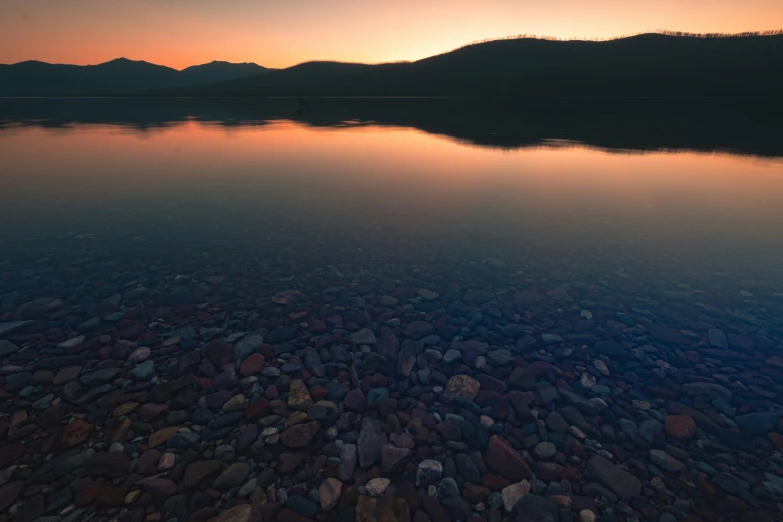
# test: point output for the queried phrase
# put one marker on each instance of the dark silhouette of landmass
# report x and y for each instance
(644, 65)
(749, 127)
(120, 76)
(648, 65)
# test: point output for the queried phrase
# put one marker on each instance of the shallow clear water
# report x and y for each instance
(370, 195)
(650, 243)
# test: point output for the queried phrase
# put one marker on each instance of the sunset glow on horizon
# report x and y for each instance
(276, 33)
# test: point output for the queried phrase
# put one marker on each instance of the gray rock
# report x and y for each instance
(545, 450)
(534, 508)
(7, 348)
(467, 468)
(451, 356)
(428, 472)
(610, 349)
(614, 477)
(363, 336)
(500, 357)
(232, 476)
(302, 506)
(347, 462)
(99, 377)
(370, 442)
(546, 392)
(663, 460)
(457, 507)
(555, 422)
(717, 338)
(652, 431)
(730, 483)
(144, 371)
(757, 423)
(248, 345)
(9, 328)
(448, 487)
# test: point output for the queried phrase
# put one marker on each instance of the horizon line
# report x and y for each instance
(521, 36)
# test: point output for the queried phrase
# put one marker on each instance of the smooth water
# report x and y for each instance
(373, 195)
(630, 255)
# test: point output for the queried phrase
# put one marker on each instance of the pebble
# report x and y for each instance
(394, 395)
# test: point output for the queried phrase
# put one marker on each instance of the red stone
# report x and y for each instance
(505, 460)
(256, 409)
(681, 426)
(252, 365)
(89, 494)
(75, 433)
(300, 435)
(219, 352)
(494, 482)
(112, 496)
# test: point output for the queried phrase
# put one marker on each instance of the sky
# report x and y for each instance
(281, 33)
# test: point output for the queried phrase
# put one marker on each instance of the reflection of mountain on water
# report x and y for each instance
(736, 126)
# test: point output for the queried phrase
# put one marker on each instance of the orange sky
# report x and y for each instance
(280, 33)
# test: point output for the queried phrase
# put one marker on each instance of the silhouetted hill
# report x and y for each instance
(214, 72)
(648, 65)
(644, 65)
(120, 76)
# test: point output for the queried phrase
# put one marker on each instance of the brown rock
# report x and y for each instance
(150, 411)
(329, 493)
(118, 435)
(252, 365)
(474, 493)
(681, 426)
(625, 485)
(10, 454)
(111, 464)
(240, 513)
(161, 436)
(385, 509)
(52, 416)
(125, 409)
(435, 509)
(505, 460)
(219, 352)
(300, 435)
(112, 496)
(463, 386)
(89, 494)
(147, 464)
(523, 379)
(298, 396)
(160, 488)
(31, 509)
(75, 433)
(289, 461)
(9, 493)
(199, 471)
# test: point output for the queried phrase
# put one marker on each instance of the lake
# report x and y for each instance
(606, 277)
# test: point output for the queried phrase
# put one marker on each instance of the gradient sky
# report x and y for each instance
(280, 33)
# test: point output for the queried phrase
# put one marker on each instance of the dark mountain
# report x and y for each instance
(120, 76)
(649, 65)
(644, 65)
(215, 72)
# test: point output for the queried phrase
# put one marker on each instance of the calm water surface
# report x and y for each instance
(660, 236)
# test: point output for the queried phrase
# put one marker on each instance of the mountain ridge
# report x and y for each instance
(644, 65)
(119, 76)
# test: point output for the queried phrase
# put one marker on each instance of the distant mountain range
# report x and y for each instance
(648, 65)
(120, 76)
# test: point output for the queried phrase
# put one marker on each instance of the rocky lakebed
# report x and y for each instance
(374, 390)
